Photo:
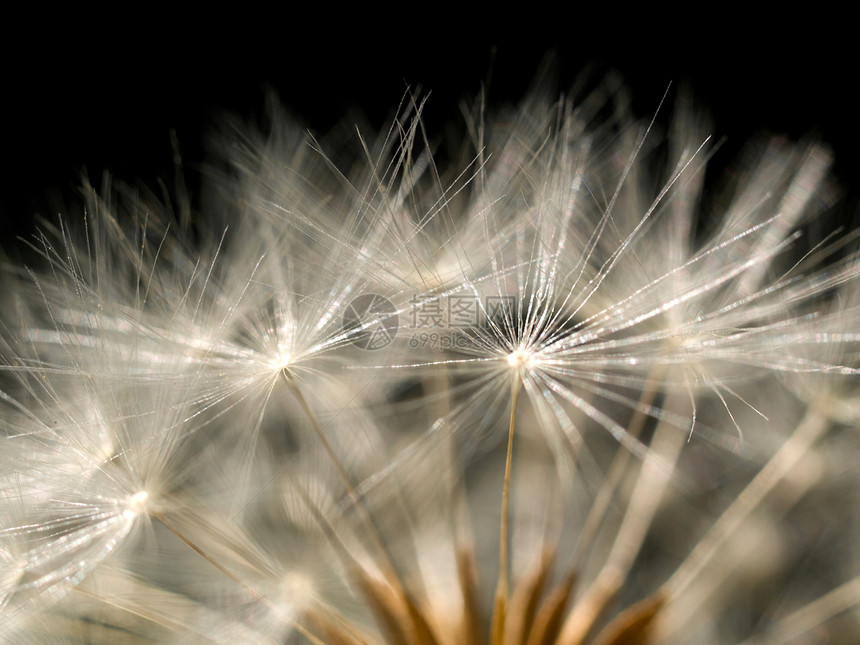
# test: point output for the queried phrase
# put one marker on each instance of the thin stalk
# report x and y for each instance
(206, 556)
(307, 634)
(318, 431)
(341, 469)
(139, 612)
(807, 618)
(617, 470)
(651, 483)
(385, 562)
(244, 585)
(500, 603)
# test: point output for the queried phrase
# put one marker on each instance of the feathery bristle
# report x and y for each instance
(533, 399)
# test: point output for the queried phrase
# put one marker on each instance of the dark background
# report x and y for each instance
(81, 96)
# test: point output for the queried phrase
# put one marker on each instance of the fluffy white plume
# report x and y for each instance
(284, 421)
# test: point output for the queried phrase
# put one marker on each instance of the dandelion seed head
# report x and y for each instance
(203, 384)
(297, 588)
(136, 504)
(106, 450)
(281, 361)
(522, 358)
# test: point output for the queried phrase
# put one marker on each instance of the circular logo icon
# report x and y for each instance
(371, 320)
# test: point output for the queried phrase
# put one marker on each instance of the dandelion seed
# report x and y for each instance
(521, 358)
(216, 435)
(136, 505)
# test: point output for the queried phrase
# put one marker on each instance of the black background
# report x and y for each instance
(103, 94)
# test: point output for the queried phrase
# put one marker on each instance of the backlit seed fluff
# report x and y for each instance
(547, 389)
